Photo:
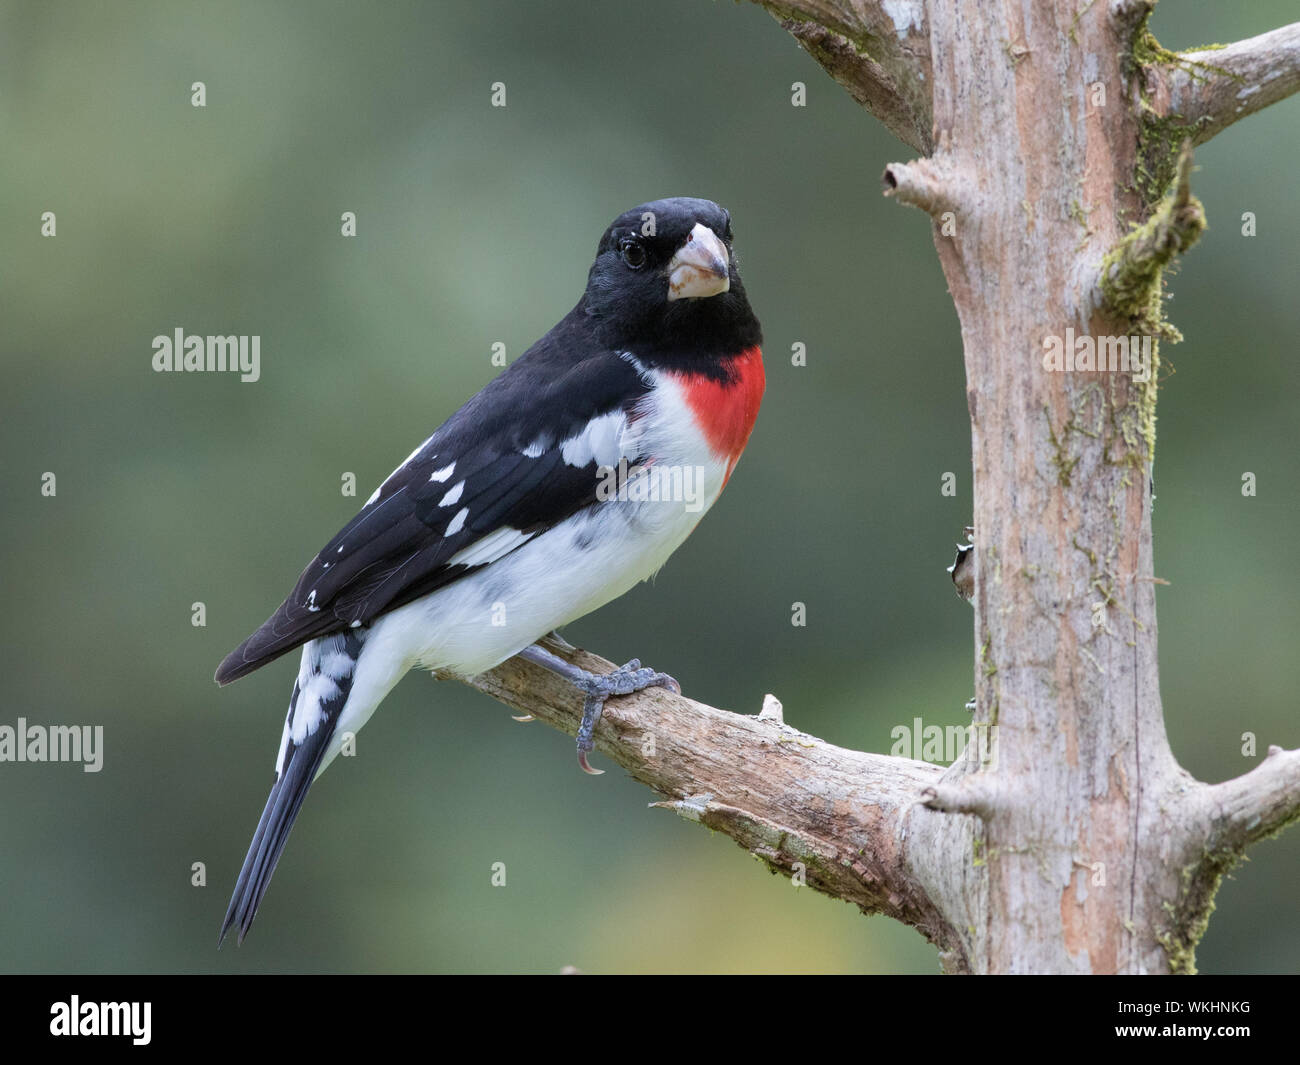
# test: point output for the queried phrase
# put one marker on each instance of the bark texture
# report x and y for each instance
(1057, 177)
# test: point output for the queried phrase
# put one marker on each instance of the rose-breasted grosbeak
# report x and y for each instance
(568, 479)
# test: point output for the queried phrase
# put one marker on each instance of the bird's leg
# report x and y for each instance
(596, 689)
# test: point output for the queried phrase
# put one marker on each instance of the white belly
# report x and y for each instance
(567, 572)
(560, 575)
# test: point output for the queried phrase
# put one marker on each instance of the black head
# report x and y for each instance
(665, 286)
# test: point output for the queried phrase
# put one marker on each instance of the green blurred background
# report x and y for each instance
(477, 225)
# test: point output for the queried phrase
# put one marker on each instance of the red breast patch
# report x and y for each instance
(725, 411)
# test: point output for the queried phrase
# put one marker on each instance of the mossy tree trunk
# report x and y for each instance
(1058, 191)
(1082, 822)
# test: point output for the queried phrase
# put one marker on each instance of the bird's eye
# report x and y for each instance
(633, 254)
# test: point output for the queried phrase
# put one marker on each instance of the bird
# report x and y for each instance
(568, 479)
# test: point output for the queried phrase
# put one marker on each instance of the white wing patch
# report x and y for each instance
(453, 494)
(601, 441)
(442, 474)
(458, 522)
(493, 546)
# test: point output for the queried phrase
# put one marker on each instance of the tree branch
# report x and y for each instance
(878, 50)
(1129, 280)
(803, 806)
(923, 183)
(1256, 804)
(1210, 89)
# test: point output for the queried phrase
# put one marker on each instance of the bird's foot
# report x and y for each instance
(597, 689)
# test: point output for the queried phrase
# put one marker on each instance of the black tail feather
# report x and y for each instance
(336, 657)
(282, 806)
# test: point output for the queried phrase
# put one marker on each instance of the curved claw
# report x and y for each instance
(524, 719)
(626, 679)
(662, 680)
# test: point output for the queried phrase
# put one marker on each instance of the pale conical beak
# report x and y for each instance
(699, 268)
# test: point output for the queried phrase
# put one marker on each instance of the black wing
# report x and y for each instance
(506, 446)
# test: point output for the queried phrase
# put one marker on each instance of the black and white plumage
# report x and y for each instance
(493, 532)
